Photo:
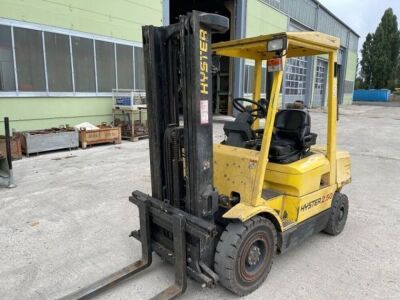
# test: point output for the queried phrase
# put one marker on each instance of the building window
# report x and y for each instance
(264, 80)
(125, 67)
(296, 77)
(249, 79)
(139, 69)
(30, 60)
(84, 72)
(58, 62)
(7, 76)
(105, 61)
(37, 61)
(320, 76)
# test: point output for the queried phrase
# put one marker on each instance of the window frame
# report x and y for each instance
(70, 33)
(248, 86)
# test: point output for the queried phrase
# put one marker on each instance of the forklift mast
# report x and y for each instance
(178, 83)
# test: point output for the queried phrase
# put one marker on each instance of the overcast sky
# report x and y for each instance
(363, 16)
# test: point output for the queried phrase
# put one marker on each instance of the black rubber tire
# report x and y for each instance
(235, 245)
(338, 216)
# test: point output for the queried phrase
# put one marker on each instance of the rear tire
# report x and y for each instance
(244, 255)
(338, 216)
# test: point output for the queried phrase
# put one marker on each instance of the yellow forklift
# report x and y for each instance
(219, 213)
(282, 187)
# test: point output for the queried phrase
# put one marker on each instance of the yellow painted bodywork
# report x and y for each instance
(235, 171)
(299, 178)
(243, 212)
(301, 189)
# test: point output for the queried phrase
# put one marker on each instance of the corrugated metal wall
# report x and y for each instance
(329, 25)
(353, 42)
(311, 15)
(303, 11)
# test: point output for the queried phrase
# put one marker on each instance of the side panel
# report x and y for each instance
(234, 171)
(343, 165)
(298, 178)
(343, 168)
(312, 204)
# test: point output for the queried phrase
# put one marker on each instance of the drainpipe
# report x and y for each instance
(8, 151)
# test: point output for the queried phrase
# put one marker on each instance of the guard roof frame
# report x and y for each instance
(299, 44)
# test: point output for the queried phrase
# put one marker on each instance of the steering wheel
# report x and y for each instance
(259, 112)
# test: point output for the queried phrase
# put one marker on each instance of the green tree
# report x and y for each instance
(359, 83)
(366, 61)
(385, 48)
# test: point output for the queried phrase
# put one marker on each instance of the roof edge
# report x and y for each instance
(335, 17)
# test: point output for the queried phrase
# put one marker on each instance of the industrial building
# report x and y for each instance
(60, 60)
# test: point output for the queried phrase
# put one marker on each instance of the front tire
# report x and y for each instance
(338, 216)
(244, 255)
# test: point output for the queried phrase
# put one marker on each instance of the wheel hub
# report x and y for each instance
(341, 214)
(254, 255)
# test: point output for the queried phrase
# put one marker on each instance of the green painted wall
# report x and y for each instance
(351, 70)
(351, 65)
(39, 113)
(118, 18)
(347, 99)
(262, 19)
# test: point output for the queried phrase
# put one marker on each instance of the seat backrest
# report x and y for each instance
(239, 132)
(292, 124)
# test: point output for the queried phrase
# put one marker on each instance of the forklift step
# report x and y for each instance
(286, 223)
(270, 194)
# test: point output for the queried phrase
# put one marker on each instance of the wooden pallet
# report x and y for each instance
(134, 138)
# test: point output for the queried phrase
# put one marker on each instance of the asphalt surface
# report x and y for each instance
(67, 223)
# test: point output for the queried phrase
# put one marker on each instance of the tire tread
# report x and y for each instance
(227, 249)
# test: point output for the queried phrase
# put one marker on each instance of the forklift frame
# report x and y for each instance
(184, 218)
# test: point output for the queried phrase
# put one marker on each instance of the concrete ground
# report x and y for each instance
(67, 223)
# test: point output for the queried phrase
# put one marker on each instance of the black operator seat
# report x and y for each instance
(239, 132)
(292, 136)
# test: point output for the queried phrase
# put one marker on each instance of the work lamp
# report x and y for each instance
(278, 44)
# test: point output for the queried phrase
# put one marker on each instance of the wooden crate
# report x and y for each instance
(99, 136)
(16, 150)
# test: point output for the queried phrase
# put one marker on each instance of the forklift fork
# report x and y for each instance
(173, 291)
